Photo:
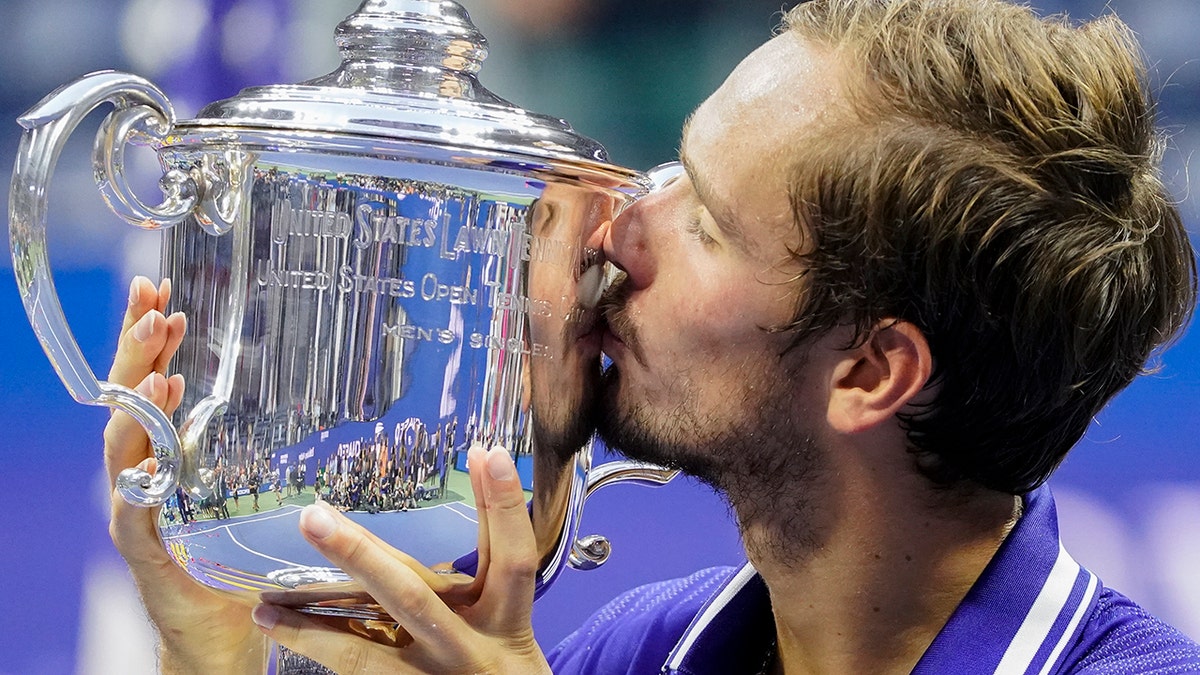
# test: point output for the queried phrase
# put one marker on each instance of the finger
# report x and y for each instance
(164, 294)
(340, 651)
(143, 297)
(163, 584)
(125, 441)
(138, 349)
(454, 589)
(476, 465)
(134, 531)
(175, 390)
(440, 583)
(396, 586)
(135, 535)
(507, 599)
(431, 578)
(176, 327)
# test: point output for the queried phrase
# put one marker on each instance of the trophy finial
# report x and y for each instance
(408, 72)
(410, 45)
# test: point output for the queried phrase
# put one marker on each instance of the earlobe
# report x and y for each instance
(877, 379)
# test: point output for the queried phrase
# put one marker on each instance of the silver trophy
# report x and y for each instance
(380, 268)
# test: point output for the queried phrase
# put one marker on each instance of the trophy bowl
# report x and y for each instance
(380, 268)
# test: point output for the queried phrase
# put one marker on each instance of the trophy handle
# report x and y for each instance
(592, 551)
(141, 111)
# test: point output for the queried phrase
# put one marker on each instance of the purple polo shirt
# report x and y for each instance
(1033, 610)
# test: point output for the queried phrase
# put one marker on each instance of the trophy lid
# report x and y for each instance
(408, 73)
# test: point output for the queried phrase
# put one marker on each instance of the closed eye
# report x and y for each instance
(695, 228)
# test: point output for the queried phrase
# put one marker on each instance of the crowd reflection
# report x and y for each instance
(406, 469)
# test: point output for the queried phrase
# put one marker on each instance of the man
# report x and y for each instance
(917, 246)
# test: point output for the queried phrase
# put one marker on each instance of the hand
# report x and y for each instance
(491, 634)
(200, 629)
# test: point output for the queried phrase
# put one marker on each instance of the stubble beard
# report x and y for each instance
(757, 455)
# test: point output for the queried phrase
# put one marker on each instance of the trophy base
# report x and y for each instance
(353, 611)
(346, 602)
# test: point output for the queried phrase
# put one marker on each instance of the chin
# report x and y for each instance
(725, 448)
(635, 433)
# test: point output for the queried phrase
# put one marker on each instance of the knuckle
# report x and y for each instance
(112, 432)
(354, 551)
(414, 606)
(129, 349)
(522, 567)
(506, 502)
(479, 667)
(121, 432)
(115, 435)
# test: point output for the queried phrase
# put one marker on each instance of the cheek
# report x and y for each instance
(709, 322)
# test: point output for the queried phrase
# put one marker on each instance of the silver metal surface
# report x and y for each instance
(593, 550)
(408, 72)
(47, 127)
(590, 552)
(381, 268)
(626, 471)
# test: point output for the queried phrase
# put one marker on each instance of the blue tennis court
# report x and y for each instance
(254, 546)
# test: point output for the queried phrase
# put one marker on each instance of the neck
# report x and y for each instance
(868, 566)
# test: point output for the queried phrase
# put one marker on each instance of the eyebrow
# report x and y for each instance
(705, 193)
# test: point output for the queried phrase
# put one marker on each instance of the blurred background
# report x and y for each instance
(626, 72)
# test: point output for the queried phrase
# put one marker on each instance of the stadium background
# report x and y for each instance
(623, 71)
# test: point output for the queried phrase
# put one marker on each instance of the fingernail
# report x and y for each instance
(135, 291)
(476, 454)
(144, 328)
(146, 386)
(317, 521)
(500, 465)
(265, 616)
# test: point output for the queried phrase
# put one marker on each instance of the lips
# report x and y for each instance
(620, 330)
(612, 335)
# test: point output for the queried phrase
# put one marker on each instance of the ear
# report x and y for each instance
(874, 381)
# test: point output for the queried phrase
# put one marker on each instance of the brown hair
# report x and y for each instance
(997, 185)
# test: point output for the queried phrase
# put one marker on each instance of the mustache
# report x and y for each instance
(612, 301)
(613, 307)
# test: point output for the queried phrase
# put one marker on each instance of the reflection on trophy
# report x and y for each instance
(380, 268)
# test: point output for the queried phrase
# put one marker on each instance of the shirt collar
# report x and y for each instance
(1025, 610)
(732, 633)
(1021, 616)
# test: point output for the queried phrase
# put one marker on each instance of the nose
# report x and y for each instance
(627, 242)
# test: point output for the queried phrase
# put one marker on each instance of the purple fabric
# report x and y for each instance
(636, 632)
(1122, 638)
(998, 603)
(716, 621)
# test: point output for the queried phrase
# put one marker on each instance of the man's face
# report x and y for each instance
(697, 382)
